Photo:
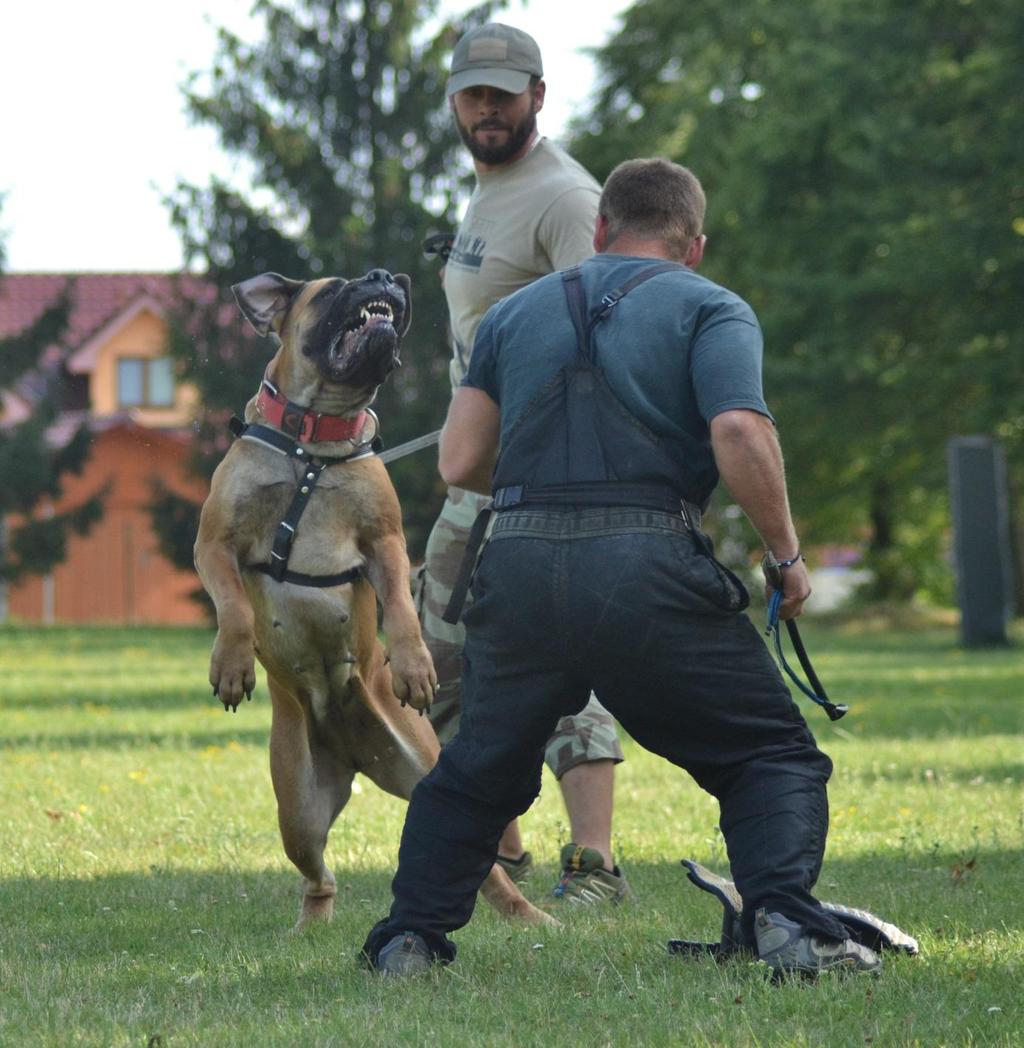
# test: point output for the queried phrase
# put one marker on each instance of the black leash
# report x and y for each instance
(816, 692)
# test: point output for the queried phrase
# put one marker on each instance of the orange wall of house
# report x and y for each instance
(116, 572)
(145, 335)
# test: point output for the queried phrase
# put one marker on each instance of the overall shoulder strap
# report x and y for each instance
(609, 301)
(572, 285)
(582, 319)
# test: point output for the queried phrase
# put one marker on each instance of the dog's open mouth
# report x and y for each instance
(357, 339)
(372, 313)
(374, 321)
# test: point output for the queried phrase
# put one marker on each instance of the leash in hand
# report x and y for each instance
(816, 691)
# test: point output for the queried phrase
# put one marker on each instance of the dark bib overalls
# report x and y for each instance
(596, 577)
(577, 444)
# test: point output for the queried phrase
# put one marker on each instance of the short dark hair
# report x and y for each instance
(654, 199)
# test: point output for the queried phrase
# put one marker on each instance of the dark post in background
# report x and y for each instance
(981, 539)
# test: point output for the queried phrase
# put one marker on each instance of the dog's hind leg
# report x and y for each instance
(500, 891)
(311, 789)
(409, 753)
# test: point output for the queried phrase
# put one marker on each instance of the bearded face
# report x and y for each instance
(495, 125)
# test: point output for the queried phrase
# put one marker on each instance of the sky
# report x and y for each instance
(94, 133)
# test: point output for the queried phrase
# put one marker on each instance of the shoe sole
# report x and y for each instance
(406, 965)
(844, 969)
(587, 896)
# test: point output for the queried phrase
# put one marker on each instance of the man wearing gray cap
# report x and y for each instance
(532, 212)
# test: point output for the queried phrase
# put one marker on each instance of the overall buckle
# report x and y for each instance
(506, 498)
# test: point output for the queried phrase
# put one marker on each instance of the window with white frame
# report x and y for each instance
(144, 382)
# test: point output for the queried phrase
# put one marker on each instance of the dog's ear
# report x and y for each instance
(265, 299)
(406, 285)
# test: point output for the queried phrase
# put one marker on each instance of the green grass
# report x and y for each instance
(144, 896)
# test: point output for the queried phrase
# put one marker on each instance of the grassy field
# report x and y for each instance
(145, 899)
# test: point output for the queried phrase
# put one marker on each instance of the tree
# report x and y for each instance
(33, 538)
(339, 111)
(863, 164)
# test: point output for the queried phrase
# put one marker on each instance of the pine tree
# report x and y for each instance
(339, 111)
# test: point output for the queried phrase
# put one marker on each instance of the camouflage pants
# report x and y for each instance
(589, 736)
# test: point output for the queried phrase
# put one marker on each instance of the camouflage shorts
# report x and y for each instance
(589, 736)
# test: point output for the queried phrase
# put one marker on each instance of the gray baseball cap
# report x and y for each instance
(495, 55)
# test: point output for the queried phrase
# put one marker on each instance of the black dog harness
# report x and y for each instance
(314, 465)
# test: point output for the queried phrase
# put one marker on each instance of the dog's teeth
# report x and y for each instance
(371, 310)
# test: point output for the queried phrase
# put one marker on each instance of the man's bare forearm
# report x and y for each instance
(468, 446)
(749, 460)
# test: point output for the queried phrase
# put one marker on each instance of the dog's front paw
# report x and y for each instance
(232, 671)
(413, 679)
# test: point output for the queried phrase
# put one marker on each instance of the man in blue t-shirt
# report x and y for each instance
(600, 408)
(676, 352)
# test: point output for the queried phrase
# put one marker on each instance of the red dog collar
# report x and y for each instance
(303, 425)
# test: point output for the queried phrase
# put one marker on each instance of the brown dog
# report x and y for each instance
(299, 538)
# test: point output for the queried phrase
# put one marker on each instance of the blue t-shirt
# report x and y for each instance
(676, 350)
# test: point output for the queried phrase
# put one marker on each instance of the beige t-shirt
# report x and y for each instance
(523, 221)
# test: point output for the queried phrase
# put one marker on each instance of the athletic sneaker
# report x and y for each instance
(782, 945)
(405, 954)
(586, 882)
(518, 869)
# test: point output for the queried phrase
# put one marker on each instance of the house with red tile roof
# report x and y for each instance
(117, 377)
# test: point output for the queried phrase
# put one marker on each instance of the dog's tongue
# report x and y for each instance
(350, 341)
(367, 353)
